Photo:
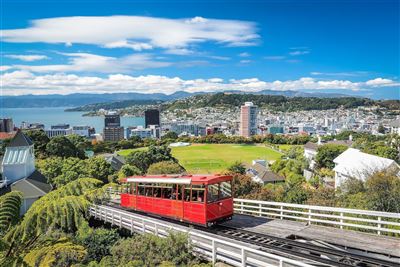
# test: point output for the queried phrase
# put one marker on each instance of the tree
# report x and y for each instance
(128, 170)
(383, 191)
(152, 250)
(170, 135)
(165, 167)
(62, 253)
(62, 209)
(80, 142)
(10, 205)
(243, 185)
(99, 168)
(322, 196)
(60, 146)
(327, 153)
(97, 242)
(40, 141)
(142, 159)
(237, 167)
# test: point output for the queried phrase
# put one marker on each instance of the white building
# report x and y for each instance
(57, 132)
(152, 132)
(19, 173)
(353, 163)
(82, 130)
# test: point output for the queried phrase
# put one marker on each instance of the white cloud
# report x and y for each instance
(28, 58)
(245, 61)
(135, 32)
(346, 74)
(5, 68)
(299, 52)
(85, 62)
(381, 82)
(244, 54)
(25, 82)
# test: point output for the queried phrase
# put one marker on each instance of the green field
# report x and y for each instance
(211, 158)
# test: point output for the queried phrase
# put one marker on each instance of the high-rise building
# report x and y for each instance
(112, 120)
(112, 127)
(151, 117)
(248, 119)
(6, 125)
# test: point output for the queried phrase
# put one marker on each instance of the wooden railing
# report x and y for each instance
(207, 245)
(359, 220)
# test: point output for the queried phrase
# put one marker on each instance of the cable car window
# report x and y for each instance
(157, 190)
(180, 192)
(166, 191)
(174, 192)
(148, 190)
(225, 190)
(198, 193)
(141, 189)
(212, 192)
(187, 193)
(133, 188)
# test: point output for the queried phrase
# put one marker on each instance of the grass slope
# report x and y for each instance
(212, 158)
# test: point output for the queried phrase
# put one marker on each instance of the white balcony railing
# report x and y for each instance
(359, 220)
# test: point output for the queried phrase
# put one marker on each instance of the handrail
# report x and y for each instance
(207, 245)
(379, 222)
(353, 219)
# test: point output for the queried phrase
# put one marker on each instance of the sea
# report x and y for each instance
(56, 115)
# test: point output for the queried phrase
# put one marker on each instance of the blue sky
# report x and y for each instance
(349, 47)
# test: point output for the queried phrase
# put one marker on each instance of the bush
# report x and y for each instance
(165, 167)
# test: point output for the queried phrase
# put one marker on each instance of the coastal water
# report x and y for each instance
(52, 116)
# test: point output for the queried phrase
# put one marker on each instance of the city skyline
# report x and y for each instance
(166, 46)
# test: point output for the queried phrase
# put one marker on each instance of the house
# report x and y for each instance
(115, 160)
(353, 163)
(395, 127)
(260, 173)
(311, 149)
(19, 172)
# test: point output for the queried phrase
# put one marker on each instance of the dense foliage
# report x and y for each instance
(273, 102)
(165, 167)
(142, 159)
(10, 205)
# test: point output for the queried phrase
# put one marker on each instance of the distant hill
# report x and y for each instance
(276, 102)
(77, 100)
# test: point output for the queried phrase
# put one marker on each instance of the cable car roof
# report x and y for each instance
(178, 179)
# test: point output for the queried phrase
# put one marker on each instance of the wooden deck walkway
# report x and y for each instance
(335, 236)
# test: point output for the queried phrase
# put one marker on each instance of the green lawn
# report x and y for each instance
(212, 158)
(126, 152)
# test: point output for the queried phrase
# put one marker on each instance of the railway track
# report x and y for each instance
(323, 255)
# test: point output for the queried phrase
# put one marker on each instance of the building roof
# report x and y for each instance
(395, 123)
(265, 174)
(35, 185)
(311, 146)
(20, 139)
(4, 136)
(354, 163)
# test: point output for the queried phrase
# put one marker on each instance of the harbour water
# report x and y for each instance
(52, 116)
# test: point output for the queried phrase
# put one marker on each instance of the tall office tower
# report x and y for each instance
(6, 125)
(248, 119)
(152, 117)
(112, 127)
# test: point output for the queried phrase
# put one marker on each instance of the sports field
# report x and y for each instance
(211, 158)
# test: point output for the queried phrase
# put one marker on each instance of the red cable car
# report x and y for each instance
(197, 199)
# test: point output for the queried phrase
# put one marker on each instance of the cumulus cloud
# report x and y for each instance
(135, 32)
(28, 58)
(25, 82)
(86, 62)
